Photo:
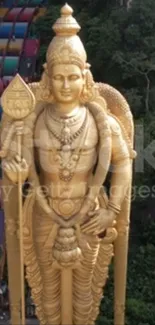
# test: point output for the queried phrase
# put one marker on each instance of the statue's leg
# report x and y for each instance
(82, 282)
(101, 269)
(51, 294)
(50, 276)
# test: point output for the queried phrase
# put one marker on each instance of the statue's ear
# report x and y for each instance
(89, 90)
(86, 70)
(89, 79)
(44, 92)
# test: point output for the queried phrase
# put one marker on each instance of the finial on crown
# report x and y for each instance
(66, 25)
(66, 10)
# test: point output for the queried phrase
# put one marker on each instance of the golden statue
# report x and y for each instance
(64, 135)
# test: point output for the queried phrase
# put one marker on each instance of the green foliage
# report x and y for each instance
(43, 28)
(140, 289)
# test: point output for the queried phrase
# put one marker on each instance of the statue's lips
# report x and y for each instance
(63, 93)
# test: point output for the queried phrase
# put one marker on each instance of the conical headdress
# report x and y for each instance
(66, 46)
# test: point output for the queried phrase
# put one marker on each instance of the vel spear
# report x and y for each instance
(18, 102)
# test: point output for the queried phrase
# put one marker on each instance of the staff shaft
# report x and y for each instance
(21, 233)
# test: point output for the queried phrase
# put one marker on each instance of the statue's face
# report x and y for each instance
(67, 83)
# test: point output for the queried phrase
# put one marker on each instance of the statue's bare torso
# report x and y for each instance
(47, 149)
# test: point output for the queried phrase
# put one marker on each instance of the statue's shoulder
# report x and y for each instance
(114, 125)
(119, 107)
(34, 87)
(39, 116)
(91, 116)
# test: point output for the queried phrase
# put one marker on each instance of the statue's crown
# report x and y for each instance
(66, 25)
(66, 46)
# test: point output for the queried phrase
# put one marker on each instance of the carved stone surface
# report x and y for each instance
(71, 228)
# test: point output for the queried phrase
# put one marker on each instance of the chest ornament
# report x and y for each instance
(66, 157)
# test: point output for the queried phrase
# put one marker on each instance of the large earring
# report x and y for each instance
(89, 90)
(44, 91)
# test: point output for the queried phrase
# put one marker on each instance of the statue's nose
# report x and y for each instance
(66, 83)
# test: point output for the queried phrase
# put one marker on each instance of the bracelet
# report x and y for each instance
(114, 207)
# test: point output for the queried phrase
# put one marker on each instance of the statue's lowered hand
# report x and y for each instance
(14, 166)
(98, 221)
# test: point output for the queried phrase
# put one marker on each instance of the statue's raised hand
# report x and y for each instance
(14, 166)
(98, 221)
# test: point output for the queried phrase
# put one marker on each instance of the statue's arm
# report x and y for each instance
(100, 219)
(11, 163)
(120, 168)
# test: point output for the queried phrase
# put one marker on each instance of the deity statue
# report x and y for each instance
(79, 134)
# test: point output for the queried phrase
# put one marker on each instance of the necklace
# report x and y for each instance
(65, 137)
(71, 120)
(67, 158)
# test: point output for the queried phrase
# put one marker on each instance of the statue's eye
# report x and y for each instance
(57, 77)
(74, 77)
